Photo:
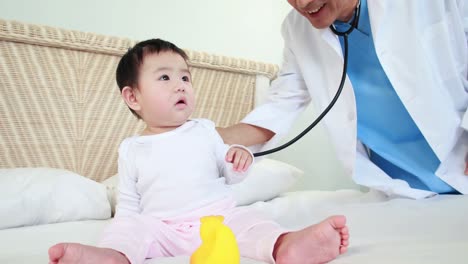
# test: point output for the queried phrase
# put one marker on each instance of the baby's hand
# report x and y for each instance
(240, 158)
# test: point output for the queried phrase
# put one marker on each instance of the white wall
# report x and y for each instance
(240, 28)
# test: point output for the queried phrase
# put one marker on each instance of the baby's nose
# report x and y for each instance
(180, 87)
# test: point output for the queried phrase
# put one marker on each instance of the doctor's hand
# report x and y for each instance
(240, 158)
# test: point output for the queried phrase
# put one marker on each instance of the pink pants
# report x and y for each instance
(141, 236)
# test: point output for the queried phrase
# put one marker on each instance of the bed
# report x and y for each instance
(62, 119)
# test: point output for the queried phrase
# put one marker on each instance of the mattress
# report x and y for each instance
(433, 230)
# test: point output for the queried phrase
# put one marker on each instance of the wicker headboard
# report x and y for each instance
(60, 106)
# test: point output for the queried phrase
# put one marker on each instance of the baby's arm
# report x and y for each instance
(233, 160)
(128, 199)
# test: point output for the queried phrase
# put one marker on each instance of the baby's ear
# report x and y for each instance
(129, 96)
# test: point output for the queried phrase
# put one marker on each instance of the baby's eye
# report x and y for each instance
(164, 78)
(186, 79)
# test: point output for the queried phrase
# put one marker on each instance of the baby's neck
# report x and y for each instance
(149, 130)
(157, 130)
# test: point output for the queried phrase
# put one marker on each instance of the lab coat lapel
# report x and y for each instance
(343, 115)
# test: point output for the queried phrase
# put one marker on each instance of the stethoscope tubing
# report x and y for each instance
(324, 112)
(344, 34)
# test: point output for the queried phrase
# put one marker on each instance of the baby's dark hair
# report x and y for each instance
(129, 65)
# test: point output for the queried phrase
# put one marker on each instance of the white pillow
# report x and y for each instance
(33, 196)
(112, 184)
(267, 179)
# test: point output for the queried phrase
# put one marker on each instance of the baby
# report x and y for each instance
(177, 170)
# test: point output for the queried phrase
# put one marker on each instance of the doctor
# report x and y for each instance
(399, 125)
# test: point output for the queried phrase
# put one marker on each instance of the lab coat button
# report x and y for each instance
(351, 116)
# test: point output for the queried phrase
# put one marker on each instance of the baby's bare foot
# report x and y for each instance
(318, 243)
(70, 253)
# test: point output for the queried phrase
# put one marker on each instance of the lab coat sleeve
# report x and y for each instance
(286, 98)
(464, 7)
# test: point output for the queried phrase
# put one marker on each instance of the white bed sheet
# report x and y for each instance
(434, 230)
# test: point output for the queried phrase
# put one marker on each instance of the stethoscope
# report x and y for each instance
(344, 34)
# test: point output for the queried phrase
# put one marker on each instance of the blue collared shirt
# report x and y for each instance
(384, 125)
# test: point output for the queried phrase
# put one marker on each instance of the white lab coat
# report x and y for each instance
(422, 46)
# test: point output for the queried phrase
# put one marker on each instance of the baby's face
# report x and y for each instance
(165, 92)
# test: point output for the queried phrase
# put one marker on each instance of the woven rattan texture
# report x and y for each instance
(60, 106)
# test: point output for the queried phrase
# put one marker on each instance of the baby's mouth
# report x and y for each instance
(181, 101)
